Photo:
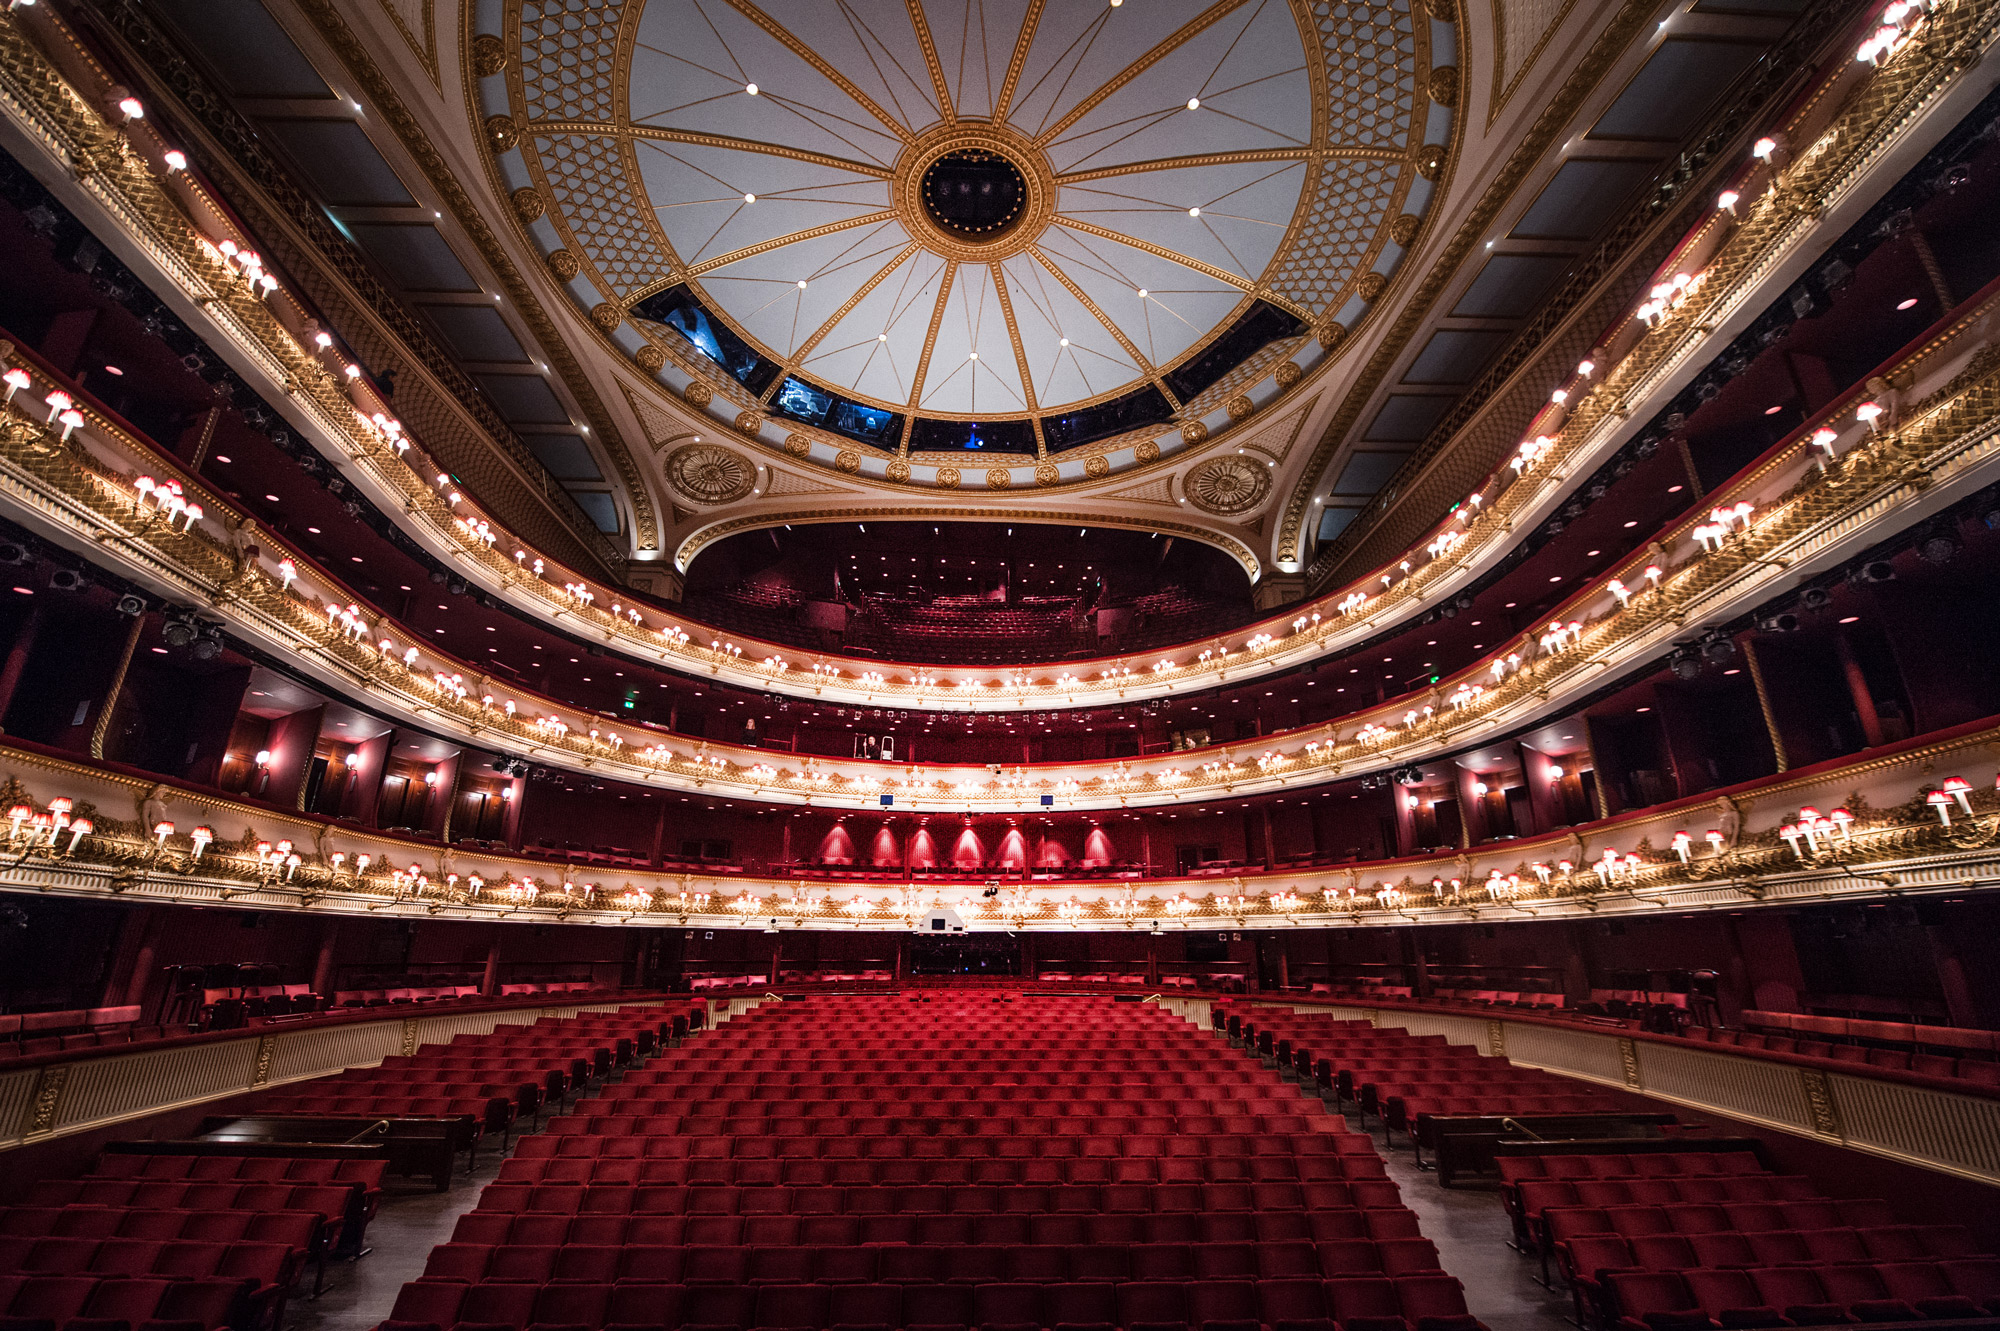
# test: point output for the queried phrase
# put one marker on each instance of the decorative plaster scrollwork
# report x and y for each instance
(710, 474)
(1228, 485)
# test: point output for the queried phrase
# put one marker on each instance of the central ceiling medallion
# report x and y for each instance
(975, 192)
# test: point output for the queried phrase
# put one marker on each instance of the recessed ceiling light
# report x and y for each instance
(113, 369)
(1772, 411)
(220, 458)
(1850, 619)
(1194, 212)
(750, 88)
(1194, 103)
(1675, 489)
(271, 499)
(1911, 302)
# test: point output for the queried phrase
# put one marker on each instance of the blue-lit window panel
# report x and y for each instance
(871, 425)
(1259, 326)
(935, 436)
(678, 309)
(800, 400)
(1142, 407)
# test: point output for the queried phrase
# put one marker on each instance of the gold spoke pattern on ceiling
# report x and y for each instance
(785, 164)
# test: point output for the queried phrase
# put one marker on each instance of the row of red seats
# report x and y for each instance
(1538, 1195)
(1633, 1222)
(1203, 1125)
(1589, 1254)
(1802, 1295)
(584, 1134)
(512, 1227)
(363, 1174)
(1357, 1304)
(675, 1199)
(1107, 1098)
(204, 1304)
(1656, 1164)
(265, 1271)
(175, 1259)
(925, 1264)
(339, 1206)
(831, 1072)
(299, 1231)
(941, 1172)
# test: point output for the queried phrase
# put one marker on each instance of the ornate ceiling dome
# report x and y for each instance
(1013, 226)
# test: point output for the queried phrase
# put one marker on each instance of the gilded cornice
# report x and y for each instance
(1854, 138)
(65, 123)
(382, 94)
(1894, 845)
(1627, 26)
(464, 425)
(1810, 515)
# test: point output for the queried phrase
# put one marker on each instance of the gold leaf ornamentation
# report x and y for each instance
(709, 474)
(489, 55)
(1228, 485)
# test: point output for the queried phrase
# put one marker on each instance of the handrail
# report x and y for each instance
(65, 120)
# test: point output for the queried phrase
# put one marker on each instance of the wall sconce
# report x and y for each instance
(263, 770)
(1555, 772)
(430, 778)
(1479, 787)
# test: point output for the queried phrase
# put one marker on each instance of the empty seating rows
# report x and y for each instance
(926, 1263)
(363, 1174)
(589, 1133)
(951, 1172)
(1362, 1303)
(299, 1231)
(1400, 1078)
(27, 1300)
(557, 1228)
(340, 1206)
(1802, 1295)
(1137, 1199)
(266, 1270)
(888, 1162)
(506, 1072)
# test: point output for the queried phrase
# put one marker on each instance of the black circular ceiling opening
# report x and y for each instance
(974, 194)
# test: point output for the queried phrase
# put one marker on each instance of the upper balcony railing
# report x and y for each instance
(140, 184)
(1885, 824)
